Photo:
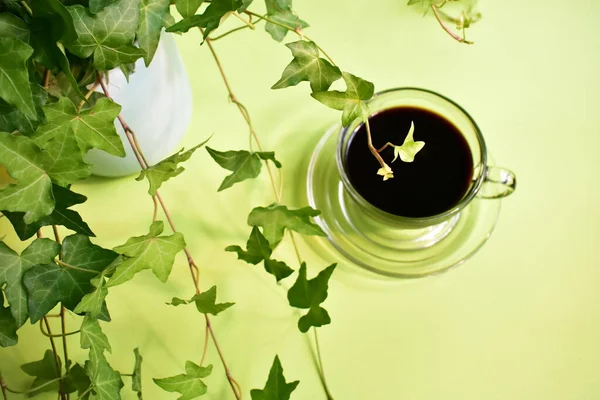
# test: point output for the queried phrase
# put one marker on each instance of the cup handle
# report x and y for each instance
(498, 183)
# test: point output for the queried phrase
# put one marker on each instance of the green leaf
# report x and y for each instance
(190, 384)
(110, 47)
(210, 19)
(242, 163)
(106, 381)
(14, 78)
(276, 387)
(54, 11)
(77, 380)
(258, 249)
(274, 219)
(44, 371)
(68, 135)
(409, 148)
(98, 5)
(309, 294)
(25, 163)
(245, 5)
(148, 252)
(178, 302)
(187, 8)
(61, 215)
(13, 27)
(92, 336)
(14, 266)
(352, 101)
(206, 302)
(136, 379)
(50, 284)
(281, 11)
(152, 14)
(8, 328)
(308, 66)
(93, 302)
(166, 169)
(12, 119)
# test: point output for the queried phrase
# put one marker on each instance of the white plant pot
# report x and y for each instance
(157, 105)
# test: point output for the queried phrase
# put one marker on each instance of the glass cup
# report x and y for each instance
(398, 246)
(488, 182)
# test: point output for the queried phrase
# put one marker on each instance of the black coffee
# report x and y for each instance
(434, 182)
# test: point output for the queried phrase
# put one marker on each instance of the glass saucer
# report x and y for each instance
(403, 253)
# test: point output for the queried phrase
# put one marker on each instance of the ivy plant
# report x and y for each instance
(55, 107)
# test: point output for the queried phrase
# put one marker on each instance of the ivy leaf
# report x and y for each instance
(276, 387)
(92, 336)
(274, 219)
(281, 11)
(409, 148)
(14, 78)
(13, 27)
(187, 8)
(308, 66)
(351, 102)
(136, 379)
(110, 47)
(12, 119)
(25, 163)
(206, 302)
(190, 384)
(245, 5)
(93, 303)
(44, 371)
(106, 381)
(309, 294)
(242, 163)
(90, 128)
(148, 252)
(61, 215)
(210, 19)
(14, 266)
(8, 328)
(166, 169)
(152, 13)
(50, 284)
(258, 249)
(98, 5)
(77, 380)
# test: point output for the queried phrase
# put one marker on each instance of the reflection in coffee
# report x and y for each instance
(435, 182)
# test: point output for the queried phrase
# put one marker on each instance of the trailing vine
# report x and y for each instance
(55, 106)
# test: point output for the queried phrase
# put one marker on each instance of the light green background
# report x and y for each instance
(520, 320)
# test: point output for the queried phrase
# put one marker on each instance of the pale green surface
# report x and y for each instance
(521, 320)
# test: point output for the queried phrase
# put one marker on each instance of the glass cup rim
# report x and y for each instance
(472, 193)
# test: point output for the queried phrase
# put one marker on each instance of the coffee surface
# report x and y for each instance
(434, 182)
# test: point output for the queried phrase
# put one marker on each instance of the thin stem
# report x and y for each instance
(239, 28)
(297, 31)
(56, 359)
(244, 111)
(155, 212)
(385, 146)
(446, 28)
(3, 387)
(26, 7)
(87, 95)
(63, 327)
(64, 264)
(206, 336)
(232, 382)
(50, 382)
(295, 245)
(371, 147)
(60, 335)
(320, 361)
(246, 22)
(46, 78)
